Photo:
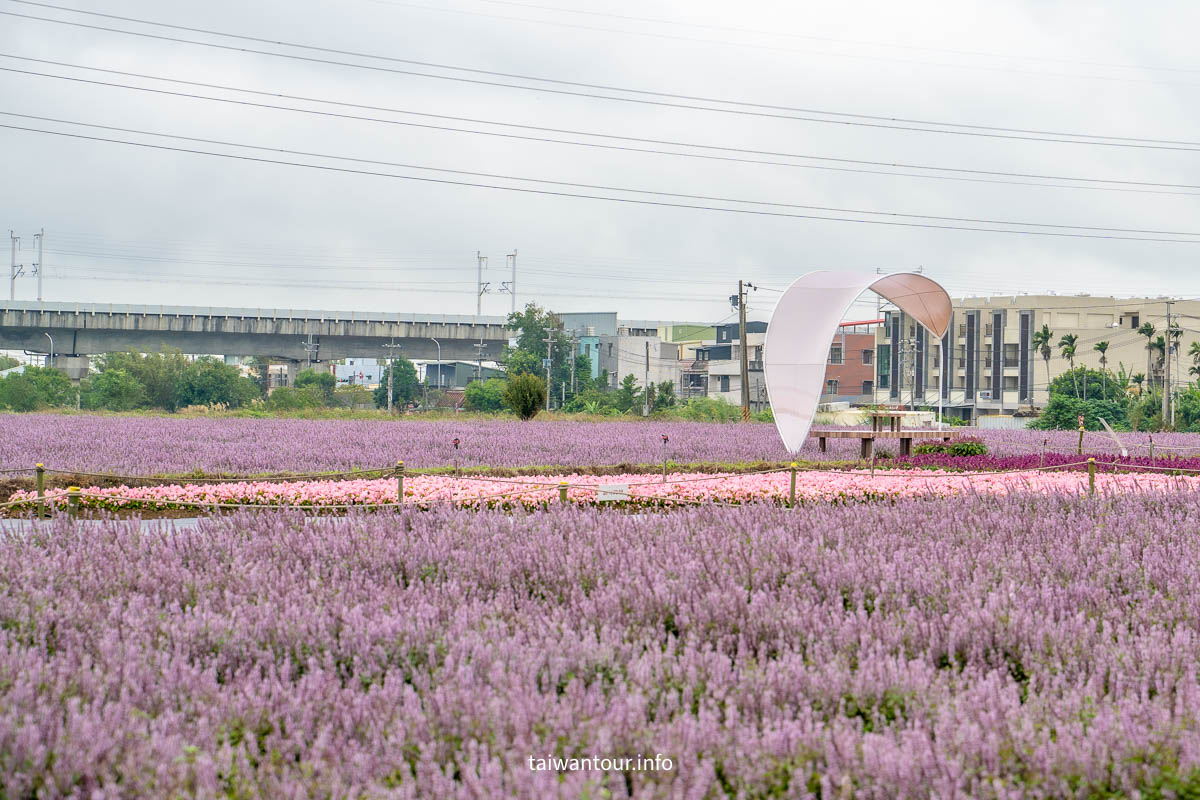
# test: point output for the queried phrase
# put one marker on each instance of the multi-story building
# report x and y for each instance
(989, 360)
(722, 362)
(850, 371)
(638, 353)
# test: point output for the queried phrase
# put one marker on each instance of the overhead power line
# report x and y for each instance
(960, 174)
(833, 40)
(598, 187)
(737, 107)
(825, 39)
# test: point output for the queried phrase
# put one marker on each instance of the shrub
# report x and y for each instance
(709, 409)
(525, 394)
(1062, 412)
(485, 395)
(958, 447)
(113, 390)
(18, 393)
(289, 398)
(322, 380)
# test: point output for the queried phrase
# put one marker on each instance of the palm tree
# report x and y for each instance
(1041, 342)
(1148, 331)
(1136, 379)
(1159, 346)
(1194, 352)
(1066, 346)
(1102, 349)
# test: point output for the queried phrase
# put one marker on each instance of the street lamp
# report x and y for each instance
(51, 338)
(439, 362)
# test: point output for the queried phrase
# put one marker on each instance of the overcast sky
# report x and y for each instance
(131, 224)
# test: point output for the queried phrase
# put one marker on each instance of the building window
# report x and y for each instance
(1011, 383)
(724, 383)
(868, 356)
(987, 329)
(1135, 322)
(1012, 355)
(831, 387)
(835, 354)
(868, 387)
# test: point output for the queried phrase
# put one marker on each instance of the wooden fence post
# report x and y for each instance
(562, 491)
(41, 490)
(792, 490)
(1091, 476)
(400, 482)
(73, 502)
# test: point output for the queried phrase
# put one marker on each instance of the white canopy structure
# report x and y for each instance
(802, 325)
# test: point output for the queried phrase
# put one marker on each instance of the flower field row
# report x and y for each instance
(424, 491)
(997, 646)
(1106, 462)
(166, 445)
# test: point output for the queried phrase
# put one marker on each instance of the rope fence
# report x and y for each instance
(43, 504)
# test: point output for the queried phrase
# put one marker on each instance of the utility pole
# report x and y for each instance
(391, 368)
(479, 348)
(745, 353)
(16, 268)
(646, 384)
(310, 348)
(572, 341)
(549, 340)
(1166, 398)
(40, 235)
(510, 286)
(480, 286)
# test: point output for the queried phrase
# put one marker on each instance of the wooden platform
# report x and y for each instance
(868, 438)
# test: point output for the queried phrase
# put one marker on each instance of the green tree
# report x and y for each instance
(1102, 349)
(53, 387)
(664, 396)
(211, 381)
(113, 390)
(1194, 352)
(628, 396)
(325, 382)
(1041, 342)
(1062, 412)
(404, 387)
(1137, 379)
(290, 398)
(1148, 331)
(18, 393)
(8, 362)
(1159, 347)
(533, 326)
(1066, 347)
(160, 373)
(525, 394)
(485, 395)
(1096, 385)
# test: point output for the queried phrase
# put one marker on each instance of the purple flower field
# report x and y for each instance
(174, 445)
(988, 647)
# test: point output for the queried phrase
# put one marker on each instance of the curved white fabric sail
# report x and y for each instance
(802, 326)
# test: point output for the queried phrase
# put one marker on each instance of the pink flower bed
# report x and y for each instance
(684, 488)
